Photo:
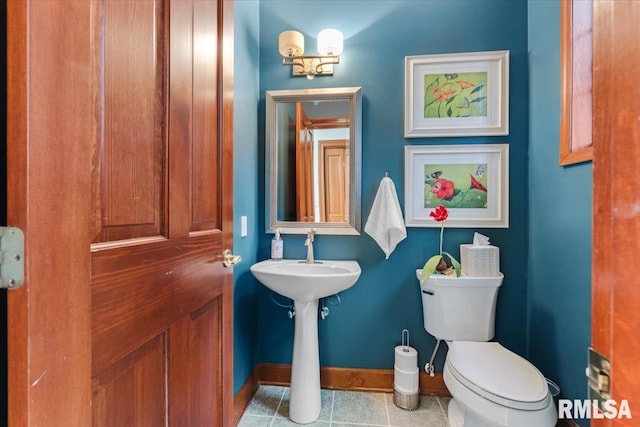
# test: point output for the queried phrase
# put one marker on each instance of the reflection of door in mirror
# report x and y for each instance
(322, 166)
(304, 166)
(334, 180)
(313, 165)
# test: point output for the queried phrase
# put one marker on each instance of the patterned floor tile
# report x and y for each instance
(360, 408)
(270, 408)
(266, 400)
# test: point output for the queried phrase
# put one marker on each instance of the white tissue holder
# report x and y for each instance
(480, 260)
(406, 379)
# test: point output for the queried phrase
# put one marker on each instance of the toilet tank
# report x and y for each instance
(459, 308)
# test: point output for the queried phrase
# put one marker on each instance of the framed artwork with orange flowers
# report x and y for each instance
(459, 94)
(471, 181)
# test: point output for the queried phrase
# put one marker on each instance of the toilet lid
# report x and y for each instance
(498, 373)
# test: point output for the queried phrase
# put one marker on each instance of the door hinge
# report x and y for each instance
(11, 257)
(599, 375)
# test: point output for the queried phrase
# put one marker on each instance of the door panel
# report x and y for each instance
(204, 213)
(194, 345)
(130, 128)
(112, 389)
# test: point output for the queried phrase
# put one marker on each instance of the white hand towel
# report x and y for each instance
(385, 223)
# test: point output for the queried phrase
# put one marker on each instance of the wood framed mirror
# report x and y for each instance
(313, 160)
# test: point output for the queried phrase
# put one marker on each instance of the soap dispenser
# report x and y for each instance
(277, 246)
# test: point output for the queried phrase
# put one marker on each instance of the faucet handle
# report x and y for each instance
(311, 233)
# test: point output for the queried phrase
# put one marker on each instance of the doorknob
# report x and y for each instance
(228, 259)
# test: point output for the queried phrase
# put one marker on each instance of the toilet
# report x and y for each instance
(490, 385)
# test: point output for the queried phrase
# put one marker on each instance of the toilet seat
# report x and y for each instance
(498, 374)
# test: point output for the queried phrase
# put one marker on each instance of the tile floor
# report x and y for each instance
(270, 408)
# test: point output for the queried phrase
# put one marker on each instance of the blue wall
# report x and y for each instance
(246, 187)
(559, 283)
(364, 329)
(544, 304)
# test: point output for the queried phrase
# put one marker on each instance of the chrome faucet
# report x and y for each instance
(309, 244)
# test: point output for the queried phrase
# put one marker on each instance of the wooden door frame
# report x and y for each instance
(304, 167)
(226, 61)
(615, 293)
(49, 378)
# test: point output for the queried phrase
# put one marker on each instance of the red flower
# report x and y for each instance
(443, 188)
(440, 213)
(476, 184)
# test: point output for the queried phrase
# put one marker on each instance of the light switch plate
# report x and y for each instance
(243, 226)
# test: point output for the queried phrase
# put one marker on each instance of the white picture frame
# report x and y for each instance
(480, 204)
(458, 94)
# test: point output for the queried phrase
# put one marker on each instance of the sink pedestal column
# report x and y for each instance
(305, 403)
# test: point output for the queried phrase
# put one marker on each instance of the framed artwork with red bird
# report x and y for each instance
(471, 181)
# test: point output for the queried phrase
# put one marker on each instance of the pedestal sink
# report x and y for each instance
(305, 284)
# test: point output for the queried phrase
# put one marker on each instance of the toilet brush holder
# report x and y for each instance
(406, 389)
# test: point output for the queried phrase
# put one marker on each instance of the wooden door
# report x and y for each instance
(304, 167)
(334, 180)
(616, 213)
(120, 174)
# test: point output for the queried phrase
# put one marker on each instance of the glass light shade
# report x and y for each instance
(291, 43)
(330, 42)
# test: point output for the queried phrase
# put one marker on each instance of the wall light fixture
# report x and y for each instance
(291, 47)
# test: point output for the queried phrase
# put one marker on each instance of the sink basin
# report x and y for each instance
(303, 282)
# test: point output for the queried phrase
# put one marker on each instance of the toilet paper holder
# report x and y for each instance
(406, 384)
(405, 342)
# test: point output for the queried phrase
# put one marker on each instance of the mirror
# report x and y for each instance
(313, 146)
